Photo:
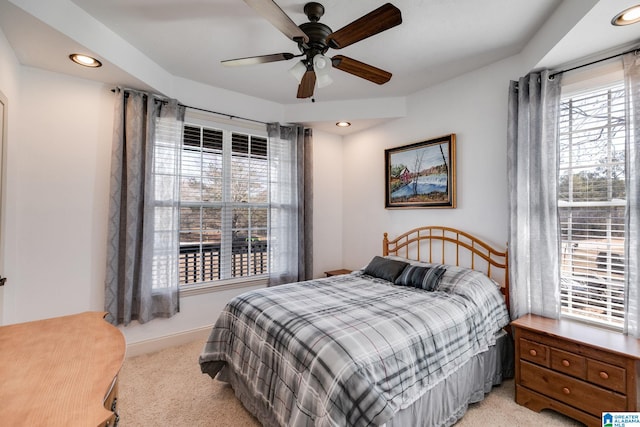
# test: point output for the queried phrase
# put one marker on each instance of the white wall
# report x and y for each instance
(58, 162)
(474, 107)
(327, 202)
(9, 68)
(9, 84)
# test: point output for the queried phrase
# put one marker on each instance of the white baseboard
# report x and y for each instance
(156, 344)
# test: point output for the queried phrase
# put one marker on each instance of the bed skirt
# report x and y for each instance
(441, 406)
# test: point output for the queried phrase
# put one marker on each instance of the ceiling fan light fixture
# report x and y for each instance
(298, 70)
(627, 17)
(323, 81)
(321, 66)
(321, 63)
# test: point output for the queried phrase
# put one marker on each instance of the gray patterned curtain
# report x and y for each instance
(534, 245)
(631, 63)
(291, 195)
(143, 241)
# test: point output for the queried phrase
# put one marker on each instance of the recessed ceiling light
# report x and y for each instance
(84, 60)
(627, 17)
(343, 124)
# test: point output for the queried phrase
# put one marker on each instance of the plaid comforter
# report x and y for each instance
(352, 350)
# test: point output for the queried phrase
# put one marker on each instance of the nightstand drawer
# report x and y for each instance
(579, 394)
(534, 352)
(609, 376)
(568, 363)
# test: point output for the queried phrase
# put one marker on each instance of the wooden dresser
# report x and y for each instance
(576, 369)
(60, 371)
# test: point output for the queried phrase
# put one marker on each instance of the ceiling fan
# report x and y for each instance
(314, 39)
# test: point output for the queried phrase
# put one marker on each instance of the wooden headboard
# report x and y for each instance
(445, 245)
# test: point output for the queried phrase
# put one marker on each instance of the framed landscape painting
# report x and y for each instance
(421, 175)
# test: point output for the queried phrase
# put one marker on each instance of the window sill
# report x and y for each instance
(209, 287)
(592, 322)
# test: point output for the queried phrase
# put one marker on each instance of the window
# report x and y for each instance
(224, 202)
(592, 200)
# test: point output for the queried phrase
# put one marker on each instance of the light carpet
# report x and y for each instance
(166, 388)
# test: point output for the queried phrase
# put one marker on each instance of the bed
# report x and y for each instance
(412, 338)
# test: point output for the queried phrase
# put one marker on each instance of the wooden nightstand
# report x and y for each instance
(337, 272)
(575, 369)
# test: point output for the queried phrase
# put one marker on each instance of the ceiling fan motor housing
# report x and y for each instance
(317, 43)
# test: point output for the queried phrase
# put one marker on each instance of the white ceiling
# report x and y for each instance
(190, 38)
(437, 40)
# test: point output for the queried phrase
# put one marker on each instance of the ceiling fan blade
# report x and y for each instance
(263, 59)
(305, 89)
(360, 69)
(385, 17)
(270, 11)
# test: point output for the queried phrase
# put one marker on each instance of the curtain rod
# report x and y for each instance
(223, 114)
(635, 49)
(208, 111)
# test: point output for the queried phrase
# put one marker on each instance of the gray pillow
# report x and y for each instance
(384, 268)
(427, 278)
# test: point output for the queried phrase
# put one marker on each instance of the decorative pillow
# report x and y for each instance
(427, 278)
(384, 268)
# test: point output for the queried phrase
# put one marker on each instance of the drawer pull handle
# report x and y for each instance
(566, 390)
(565, 363)
(604, 375)
(533, 352)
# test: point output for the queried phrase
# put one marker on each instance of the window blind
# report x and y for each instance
(224, 205)
(592, 202)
